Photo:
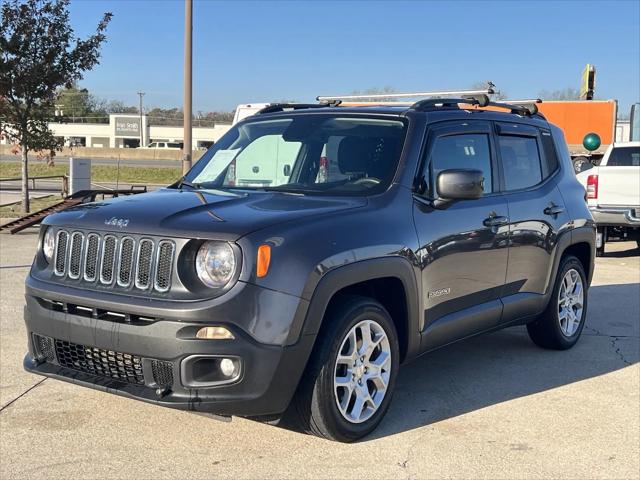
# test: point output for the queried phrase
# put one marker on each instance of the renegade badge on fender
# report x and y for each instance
(310, 252)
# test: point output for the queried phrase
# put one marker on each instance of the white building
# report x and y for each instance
(123, 131)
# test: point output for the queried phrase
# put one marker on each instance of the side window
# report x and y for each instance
(462, 151)
(550, 155)
(520, 161)
(624, 157)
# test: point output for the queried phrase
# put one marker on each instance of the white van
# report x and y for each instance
(164, 145)
(245, 110)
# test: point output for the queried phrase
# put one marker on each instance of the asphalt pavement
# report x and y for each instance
(493, 407)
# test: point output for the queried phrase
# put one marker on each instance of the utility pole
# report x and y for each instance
(141, 94)
(188, 34)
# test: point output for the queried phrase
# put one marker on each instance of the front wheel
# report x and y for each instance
(347, 386)
(560, 326)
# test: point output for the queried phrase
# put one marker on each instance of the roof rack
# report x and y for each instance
(520, 107)
(445, 93)
(279, 107)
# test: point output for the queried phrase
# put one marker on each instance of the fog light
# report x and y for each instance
(214, 333)
(227, 367)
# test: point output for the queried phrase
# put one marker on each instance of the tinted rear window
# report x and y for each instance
(625, 157)
(520, 161)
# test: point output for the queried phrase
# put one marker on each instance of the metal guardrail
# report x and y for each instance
(65, 181)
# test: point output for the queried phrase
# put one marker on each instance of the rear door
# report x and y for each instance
(529, 164)
(463, 248)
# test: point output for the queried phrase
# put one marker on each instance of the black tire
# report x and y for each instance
(314, 406)
(578, 163)
(546, 331)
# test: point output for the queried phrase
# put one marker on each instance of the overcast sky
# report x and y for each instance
(272, 50)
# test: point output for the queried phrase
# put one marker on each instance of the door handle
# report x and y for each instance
(554, 210)
(495, 221)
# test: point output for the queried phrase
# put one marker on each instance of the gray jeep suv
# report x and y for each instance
(309, 253)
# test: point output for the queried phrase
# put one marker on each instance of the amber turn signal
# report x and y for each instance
(214, 333)
(264, 258)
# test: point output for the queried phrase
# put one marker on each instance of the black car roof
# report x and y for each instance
(436, 114)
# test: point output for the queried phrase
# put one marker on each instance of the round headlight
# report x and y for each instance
(48, 244)
(215, 264)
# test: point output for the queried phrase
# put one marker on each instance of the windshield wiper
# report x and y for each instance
(184, 182)
(285, 189)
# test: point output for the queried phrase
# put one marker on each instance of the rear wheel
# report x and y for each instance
(560, 326)
(347, 386)
(579, 163)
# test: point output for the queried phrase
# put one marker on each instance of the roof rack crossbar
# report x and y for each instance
(481, 100)
(523, 107)
(445, 93)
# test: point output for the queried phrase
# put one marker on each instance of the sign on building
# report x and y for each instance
(588, 82)
(127, 126)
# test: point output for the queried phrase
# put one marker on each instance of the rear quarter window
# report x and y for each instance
(551, 162)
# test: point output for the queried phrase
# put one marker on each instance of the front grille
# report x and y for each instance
(60, 262)
(91, 257)
(75, 254)
(125, 262)
(108, 259)
(100, 362)
(164, 264)
(145, 257)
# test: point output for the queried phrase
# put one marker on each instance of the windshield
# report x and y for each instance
(310, 153)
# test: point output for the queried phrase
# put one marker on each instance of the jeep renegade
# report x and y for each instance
(310, 252)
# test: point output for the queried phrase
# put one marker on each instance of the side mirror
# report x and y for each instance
(286, 170)
(459, 184)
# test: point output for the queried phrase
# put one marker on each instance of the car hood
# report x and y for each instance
(192, 213)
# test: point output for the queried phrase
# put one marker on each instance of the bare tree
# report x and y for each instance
(375, 91)
(39, 55)
(568, 93)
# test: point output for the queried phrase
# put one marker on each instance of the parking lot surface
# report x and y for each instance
(492, 407)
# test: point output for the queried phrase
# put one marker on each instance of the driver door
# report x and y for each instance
(463, 248)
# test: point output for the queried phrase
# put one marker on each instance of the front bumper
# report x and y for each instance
(616, 216)
(267, 381)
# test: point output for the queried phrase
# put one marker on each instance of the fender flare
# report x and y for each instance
(309, 317)
(584, 234)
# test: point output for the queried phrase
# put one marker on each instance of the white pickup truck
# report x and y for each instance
(613, 194)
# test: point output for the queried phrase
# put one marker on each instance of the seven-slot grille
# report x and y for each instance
(144, 264)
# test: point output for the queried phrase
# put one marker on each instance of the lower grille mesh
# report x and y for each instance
(96, 361)
(162, 373)
(44, 347)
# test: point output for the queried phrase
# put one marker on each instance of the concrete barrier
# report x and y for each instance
(123, 153)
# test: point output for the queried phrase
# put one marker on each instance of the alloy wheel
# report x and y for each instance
(570, 302)
(362, 371)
